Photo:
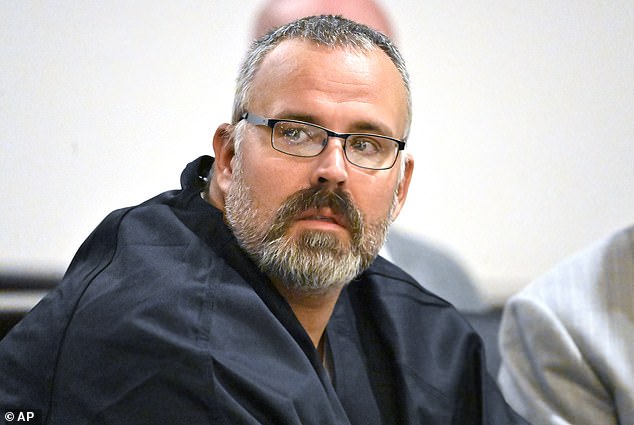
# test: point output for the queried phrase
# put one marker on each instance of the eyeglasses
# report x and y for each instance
(299, 138)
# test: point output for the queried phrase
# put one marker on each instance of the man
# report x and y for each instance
(567, 340)
(437, 269)
(254, 294)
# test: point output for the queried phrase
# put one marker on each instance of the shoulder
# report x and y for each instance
(578, 307)
(424, 337)
(388, 278)
(601, 272)
(567, 321)
(392, 296)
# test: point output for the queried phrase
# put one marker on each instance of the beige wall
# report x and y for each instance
(523, 131)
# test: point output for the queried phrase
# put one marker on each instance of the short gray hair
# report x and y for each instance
(326, 30)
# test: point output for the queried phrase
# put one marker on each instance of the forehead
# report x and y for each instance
(302, 77)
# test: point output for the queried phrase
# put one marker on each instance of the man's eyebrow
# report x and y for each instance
(299, 117)
(356, 127)
(371, 127)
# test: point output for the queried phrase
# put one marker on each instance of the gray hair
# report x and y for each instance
(326, 30)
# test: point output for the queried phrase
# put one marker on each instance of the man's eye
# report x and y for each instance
(294, 134)
(366, 146)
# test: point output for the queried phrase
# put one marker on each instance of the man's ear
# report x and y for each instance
(223, 152)
(403, 186)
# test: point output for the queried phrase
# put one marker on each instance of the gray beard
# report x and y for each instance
(314, 261)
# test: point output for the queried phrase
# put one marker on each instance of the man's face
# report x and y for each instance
(322, 214)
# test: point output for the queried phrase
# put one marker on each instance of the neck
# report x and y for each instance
(312, 310)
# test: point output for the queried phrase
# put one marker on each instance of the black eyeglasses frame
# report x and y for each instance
(270, 122)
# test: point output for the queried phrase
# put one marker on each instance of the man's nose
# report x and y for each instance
(331, 165)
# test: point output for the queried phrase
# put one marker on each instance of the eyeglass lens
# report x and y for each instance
(363, 150)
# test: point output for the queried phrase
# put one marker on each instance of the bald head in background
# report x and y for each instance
(278, 12)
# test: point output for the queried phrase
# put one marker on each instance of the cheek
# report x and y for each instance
(270, 185)
(375, 204)
(373, 194)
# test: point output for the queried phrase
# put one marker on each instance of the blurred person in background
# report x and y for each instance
(274, 13)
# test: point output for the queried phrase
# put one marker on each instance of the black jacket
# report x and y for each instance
(162, 319)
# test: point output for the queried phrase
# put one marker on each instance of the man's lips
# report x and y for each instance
(325, 215)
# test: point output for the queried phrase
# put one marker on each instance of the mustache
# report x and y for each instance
(336, 200)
